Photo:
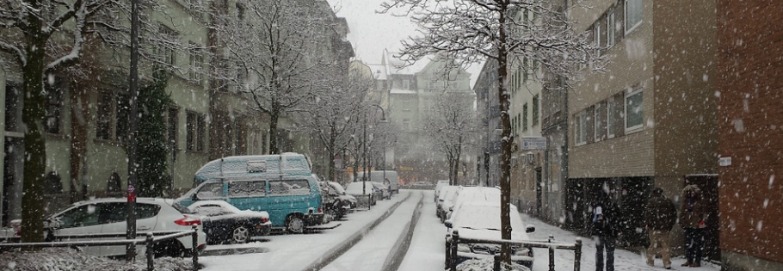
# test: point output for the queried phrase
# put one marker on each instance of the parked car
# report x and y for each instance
(382, 189)
(446, 199)
(282, 185)
(339, 190)
(387, 177)
(368, 196)
(440, 184)
(224, 223)
(107, 216)
(336, 202)
(481, 220)
(473, 194)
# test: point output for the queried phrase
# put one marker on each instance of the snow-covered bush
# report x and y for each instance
(487, 264)
(66, 259)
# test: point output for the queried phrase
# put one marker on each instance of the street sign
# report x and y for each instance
(533, 143)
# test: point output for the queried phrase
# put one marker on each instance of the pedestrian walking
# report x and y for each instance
(692, 220)
(659, 218)
(605, 230)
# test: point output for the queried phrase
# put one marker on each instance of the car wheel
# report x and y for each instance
(240, 235)
(295, 224)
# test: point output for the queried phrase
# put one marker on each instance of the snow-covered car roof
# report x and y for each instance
(355, 188)
(481, 220)
(234, 211)
(168, 201)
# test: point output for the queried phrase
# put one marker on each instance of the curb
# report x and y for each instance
(400, 248)
(344, 246)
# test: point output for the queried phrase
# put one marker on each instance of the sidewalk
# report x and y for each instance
(623, 259)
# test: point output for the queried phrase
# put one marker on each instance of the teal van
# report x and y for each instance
(282, 185)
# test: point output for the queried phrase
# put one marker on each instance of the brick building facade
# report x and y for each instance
(750, 91)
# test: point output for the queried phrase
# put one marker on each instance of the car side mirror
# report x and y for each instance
(530, 229)
(194, 197)
(448, 224)
(52, 223)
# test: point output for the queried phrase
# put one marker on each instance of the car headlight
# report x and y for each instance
(463, 248)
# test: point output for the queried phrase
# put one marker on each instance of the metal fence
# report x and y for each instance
(150, 240)
(452, 258)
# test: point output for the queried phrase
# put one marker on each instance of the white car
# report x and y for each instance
(366, 196)
(481, 220)
(107, 216)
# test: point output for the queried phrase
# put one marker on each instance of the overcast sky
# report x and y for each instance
(371, 32)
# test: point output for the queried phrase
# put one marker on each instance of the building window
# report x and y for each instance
(634, 9)
(598, 34)
(122, 112)
(535, 109)
(600, 122)
(196, 63)
(165, 49)
(54, 105)
(524, 117)
(54, 184)
(525, 70)
(580, 133)
(196, 132)
(172, 131)
(103, 116)
(610, 28)
(634, 109)
(114, 184)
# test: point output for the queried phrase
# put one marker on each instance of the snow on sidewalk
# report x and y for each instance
(624, 260)
(370, 253)
(296, 251)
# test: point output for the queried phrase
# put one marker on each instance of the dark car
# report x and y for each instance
(224, 223)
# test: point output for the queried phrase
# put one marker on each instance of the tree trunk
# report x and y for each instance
(456, 161)
(34, 146)
(274, 116)
(331, 149)
(505, 142)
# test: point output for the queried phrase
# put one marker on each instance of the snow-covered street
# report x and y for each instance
(426, 251)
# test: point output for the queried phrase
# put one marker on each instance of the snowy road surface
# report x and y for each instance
(297, 252)
(293, 252)
(371, 253)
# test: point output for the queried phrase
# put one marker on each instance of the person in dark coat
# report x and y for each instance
(605, 230)
(692, 219)
(659, 218)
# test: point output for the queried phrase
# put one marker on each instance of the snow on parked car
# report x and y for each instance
(225, 223)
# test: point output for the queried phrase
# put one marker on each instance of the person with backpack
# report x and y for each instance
(605, 230)
(659, 217)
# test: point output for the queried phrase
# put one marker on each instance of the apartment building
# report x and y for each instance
(649, 120)
(488, 110)
(87, 111)
(413, 96)
(750, 92)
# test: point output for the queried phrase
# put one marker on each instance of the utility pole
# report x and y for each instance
(134, 123)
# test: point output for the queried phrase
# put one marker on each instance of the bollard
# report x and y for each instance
(497, 263)
(454, 244)
(150, 251)
(195, 247)
(577, 254)
(551, 254)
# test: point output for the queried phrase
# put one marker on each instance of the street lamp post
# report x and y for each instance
(364, 147)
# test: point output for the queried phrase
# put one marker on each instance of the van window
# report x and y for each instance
(289, 187)
(210, 191)
(246, 189)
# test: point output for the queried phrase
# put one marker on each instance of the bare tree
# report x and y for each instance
(450, 128)
(279, 50)
(332, 115)
(471, 31)
(45, 37)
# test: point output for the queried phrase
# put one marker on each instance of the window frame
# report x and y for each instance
(55, 95)
(638, 90)
(610, 28)
(625, 16)
(580, 131)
